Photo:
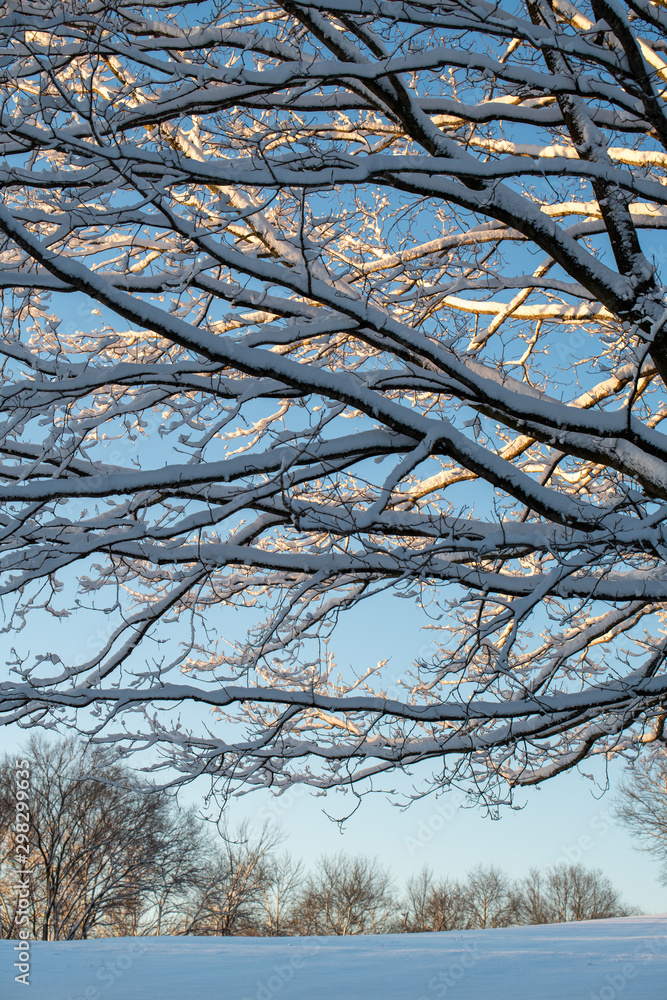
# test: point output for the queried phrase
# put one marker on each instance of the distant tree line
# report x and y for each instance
(107, 859)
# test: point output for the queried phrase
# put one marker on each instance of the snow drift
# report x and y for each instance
(594, 960)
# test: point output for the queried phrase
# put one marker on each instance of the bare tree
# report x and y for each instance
(488, 893)
(284, 877)
(530, 899)
(489, 898)
(233, 886)
(282, 282)
(104, 858)
(10, 863)
(435, 905)
(346, 895)
(642, 807)
(566, 893)
(417, 895)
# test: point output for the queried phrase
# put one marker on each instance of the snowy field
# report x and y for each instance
(596, 960)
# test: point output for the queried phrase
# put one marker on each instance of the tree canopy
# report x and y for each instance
(642, 807)
(98, 857)
(305, 303)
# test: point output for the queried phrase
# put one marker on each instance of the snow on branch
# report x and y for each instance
(309, 306)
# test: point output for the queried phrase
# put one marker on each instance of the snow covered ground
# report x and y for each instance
(596, 960)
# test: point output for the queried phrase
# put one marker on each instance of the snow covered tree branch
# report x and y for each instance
(304, 303)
